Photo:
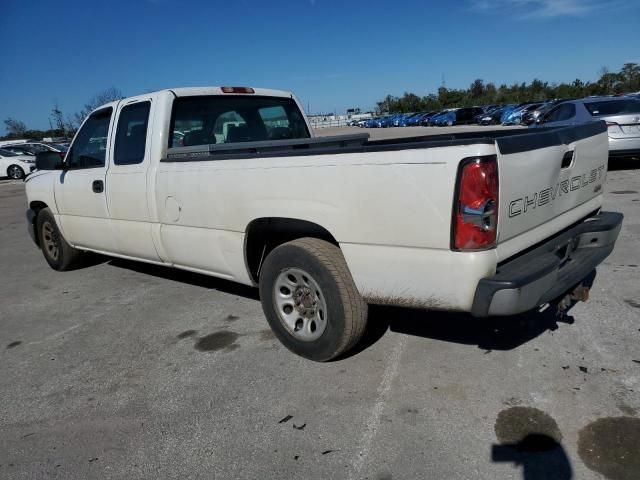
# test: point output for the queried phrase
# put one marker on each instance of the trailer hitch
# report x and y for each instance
(578, 294)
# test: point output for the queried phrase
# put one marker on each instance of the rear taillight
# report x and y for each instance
(475, 210)
(613, 126)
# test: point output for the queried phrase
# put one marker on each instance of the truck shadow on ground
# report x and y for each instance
(183, 276)
(496, 333)
(540, 457)
(616, 164)
(493, 333)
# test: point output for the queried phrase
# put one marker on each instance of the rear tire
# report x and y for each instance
(57, 252)
(15, 172)
(310, 299)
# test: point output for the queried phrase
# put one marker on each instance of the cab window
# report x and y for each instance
(90, 146)
(562, 112)
(217, 119)
(131, 134)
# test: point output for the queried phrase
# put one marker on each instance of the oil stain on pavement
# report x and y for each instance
(14, 344)
(187, 333)
(611, 447)
(515, 423)
(218, 341)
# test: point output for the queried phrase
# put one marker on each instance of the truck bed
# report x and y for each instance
(508, 141)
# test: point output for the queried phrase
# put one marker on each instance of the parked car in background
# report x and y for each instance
(532, 115)
(457, 116)
(491, 117)
(14, 165)
(425, 121)
(622, 115)
(465, 115)
(515, 116)
(33, 148)
(417, 120)
(372, 122)
(404, 121)
(435, 119)
(11, 142)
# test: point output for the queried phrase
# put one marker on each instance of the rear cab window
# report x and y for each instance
(131, 134)
(224, 119)
(613, 107)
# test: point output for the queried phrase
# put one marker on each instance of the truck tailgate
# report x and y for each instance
(546, 175)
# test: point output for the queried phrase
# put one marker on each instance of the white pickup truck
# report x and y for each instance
(230, 182)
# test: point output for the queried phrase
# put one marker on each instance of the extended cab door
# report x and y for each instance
(79, 189)
(128, 188)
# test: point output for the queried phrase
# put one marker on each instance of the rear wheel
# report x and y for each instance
(15, 171)
(310, 299)
(57, 252)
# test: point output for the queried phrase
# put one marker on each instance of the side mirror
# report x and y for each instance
(49, 161)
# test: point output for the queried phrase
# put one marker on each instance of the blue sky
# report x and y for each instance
(332, 54)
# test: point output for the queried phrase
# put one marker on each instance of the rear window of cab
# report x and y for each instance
(220, 119)
(613, 107)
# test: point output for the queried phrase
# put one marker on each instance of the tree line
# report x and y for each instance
(61, 124)
(481, 93)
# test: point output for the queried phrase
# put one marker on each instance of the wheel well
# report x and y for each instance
(36, 206)
(265, 234)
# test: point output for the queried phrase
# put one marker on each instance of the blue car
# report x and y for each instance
(411, 119)
(426, 120)
(516, 116)
(434, 119)
(414, 120)
(506, 111)
(372, 123)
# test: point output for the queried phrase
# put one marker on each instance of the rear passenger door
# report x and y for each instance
(128, 186)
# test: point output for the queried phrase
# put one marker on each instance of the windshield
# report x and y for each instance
(7, 153)
(613, 107)
(215, 119)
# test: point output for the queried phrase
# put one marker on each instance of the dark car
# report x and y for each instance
(459, 116)
(532, 115)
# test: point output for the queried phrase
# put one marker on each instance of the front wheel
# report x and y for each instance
(15, 171)
(310, 299)
(57, 252)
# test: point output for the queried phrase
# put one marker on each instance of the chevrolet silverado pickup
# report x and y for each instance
(231, 182)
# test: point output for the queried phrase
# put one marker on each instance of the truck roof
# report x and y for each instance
(195, 91)
(200, 91)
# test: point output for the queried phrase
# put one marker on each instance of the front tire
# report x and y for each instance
(57, 252)
(310, 299)
(15, 172)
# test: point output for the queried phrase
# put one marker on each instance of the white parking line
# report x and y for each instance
(373, 423)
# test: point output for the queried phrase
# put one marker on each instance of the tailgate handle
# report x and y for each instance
(567, 158)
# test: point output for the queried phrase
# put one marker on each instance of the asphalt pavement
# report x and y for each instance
(123, 370)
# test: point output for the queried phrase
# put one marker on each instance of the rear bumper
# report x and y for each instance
(549, 270)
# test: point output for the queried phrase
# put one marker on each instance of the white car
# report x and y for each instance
(15, 166)
(491, 224)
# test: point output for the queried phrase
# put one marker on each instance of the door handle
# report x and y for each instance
(567, 158)
(97, 186)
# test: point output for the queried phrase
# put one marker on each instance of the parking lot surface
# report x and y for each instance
(124, 370)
